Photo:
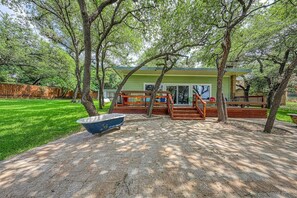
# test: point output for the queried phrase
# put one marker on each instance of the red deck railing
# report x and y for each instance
(141, 98)
(196, 100)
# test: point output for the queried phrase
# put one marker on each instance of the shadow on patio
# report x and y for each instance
(157, 158)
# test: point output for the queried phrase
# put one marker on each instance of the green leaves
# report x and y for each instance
(25, 57)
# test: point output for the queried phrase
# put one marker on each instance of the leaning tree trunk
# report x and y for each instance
(271, 94)
(86, 99)
(125, 79)
(75, 93)
(120, 87)
(278, 96)
(99, 91)
(102, 87)
(154, 92)
(226, 45)
(78, 78)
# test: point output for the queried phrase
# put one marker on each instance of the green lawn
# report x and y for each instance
(28, 123)
(283, 111)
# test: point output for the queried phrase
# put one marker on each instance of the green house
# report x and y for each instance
(183, 82)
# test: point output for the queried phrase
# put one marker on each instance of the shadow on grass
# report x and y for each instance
(25, 124)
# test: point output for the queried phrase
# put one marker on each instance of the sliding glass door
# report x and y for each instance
(180, 93)
(183, 94)
(173, 91)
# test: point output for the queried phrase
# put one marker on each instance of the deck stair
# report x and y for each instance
(186, 113)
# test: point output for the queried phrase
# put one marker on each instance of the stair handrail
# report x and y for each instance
(198, 98)
(170, 105)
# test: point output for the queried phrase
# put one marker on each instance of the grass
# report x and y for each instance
(283, 111)
(28, 123)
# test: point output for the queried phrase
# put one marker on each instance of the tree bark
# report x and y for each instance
(78, 77)
(99, 89)
(270, 96)
(278, 96)
(86, 99)
(226, 45)
(75, 93)
(102, 94)
(103, 82)
(225, 107)
(154, 92)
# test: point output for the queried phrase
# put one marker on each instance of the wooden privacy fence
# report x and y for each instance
(29, 91)
(35, 91)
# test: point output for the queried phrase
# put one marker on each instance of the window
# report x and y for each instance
(202, 90)
(150, 87)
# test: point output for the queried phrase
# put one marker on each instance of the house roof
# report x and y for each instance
(180, 71)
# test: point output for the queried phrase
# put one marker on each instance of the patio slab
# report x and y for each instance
(158, 158)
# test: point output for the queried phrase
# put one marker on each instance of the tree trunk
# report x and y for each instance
(220, 108)
(86, 99)
(78, 78)
(225, 107)
(154, 92)
(102, 84)
(226, 45)
(99, 90)
(270, 95)
(102, 96)
(278, 96)
(121, 85)
(75, 93)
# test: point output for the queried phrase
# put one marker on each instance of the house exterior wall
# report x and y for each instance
(136, 82)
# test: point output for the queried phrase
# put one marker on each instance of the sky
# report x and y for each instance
(5, 9)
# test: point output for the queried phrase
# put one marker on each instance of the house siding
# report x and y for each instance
(136, 82)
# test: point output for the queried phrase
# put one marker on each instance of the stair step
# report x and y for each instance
(183, 108)
(187, 118)
(185, 111)
(186, 114)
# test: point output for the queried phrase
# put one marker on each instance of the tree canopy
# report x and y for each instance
(77, 43)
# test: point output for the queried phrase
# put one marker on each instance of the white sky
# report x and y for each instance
(5, 9)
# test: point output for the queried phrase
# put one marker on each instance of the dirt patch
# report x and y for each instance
(248, 126)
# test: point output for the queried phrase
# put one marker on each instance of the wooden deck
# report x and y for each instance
(140, 110)
(137, 102)
(233, 112)
(237, 112)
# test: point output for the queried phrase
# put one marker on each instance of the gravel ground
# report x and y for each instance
(160, 158)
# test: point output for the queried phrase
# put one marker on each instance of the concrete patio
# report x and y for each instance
(158, 158)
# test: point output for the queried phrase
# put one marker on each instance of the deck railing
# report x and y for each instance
(241, 104)
(141, 98)
(196, 103)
